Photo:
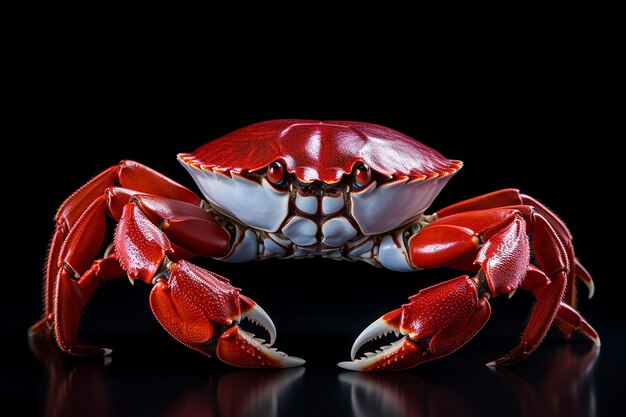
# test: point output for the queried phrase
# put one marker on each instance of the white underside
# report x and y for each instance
(301, 231)
(245, 248)
(381, 209)
(260, 206)
(272, 249)
(332, 204)
(392, 254)
(306, 203)
(318, 225)
(337, 231)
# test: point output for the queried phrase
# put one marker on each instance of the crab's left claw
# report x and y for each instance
(436, 322)
(241, 348)
(203, 311)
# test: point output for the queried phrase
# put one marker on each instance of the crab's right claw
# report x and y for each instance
(202, 310)
(436, 322)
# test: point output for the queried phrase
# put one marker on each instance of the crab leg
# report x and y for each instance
(440, 319)
(512, 197)
(198, 308)
(77, 279)
(129, 174)
(140, 251)
(568, 317)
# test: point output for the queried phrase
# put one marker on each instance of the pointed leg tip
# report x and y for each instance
(87, 350)
(491, 365)
(41, 328)
(597, 342)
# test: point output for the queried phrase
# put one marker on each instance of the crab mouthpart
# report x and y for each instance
(395, 356)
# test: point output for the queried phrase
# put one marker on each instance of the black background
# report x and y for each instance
(540, 126)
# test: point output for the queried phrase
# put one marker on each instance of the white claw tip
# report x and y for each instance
(291, 361)
(597, 342)
(107, 351)
(350, 366)
(491, 364)
(377, 329)
(259, 316)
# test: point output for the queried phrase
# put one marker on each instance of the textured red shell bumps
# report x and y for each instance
(321, 151)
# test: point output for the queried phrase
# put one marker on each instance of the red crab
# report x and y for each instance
(300, 188)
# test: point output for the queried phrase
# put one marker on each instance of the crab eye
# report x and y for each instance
(276, 173)
(362, 175)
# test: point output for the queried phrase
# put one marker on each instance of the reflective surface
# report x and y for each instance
(77, 389)
(563, 385)
(149, 374)
(563, 388)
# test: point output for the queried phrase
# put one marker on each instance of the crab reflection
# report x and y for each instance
(562, 387)
(263, 391)
(400, 395)
(79, 388)
(71, 389)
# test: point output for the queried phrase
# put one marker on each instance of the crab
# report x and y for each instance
(297, 189)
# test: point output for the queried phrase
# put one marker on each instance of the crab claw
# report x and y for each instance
(238, 347)
(202, 310)
(436, 322)
(401, 354)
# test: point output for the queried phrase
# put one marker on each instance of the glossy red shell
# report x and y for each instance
(321, 151)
